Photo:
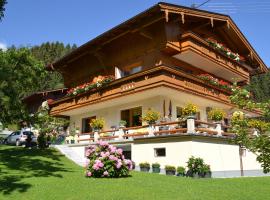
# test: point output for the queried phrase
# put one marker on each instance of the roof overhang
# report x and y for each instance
(159, 11)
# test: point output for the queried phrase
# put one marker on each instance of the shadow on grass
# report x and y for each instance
(18, 164)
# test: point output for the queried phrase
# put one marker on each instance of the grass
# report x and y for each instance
(46, 174)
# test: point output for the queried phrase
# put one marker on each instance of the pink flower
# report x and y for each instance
(103, 143)
(105, 173)
(113, 149)
(88, 174)
(119, 164)
(120, 151)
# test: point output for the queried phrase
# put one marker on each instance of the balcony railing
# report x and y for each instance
(164, 76)
(187, 127)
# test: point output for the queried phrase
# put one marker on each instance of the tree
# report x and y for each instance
(20, 75)
(48, 53)
(259, 87)
(2, 8)
(258, 143)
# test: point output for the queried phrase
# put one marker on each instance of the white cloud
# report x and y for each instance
(3, 46)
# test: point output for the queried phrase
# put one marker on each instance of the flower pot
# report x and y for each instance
(180, 175)
(170, 172)
(145, 169)
(207, 175)
(156, 169)
(72, 141)
(191, 117)
(196, 175)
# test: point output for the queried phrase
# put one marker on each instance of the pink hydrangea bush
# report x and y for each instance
(105, 160)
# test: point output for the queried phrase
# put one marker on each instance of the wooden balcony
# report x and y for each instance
(160, 76)
(197, 52)
(162, 129)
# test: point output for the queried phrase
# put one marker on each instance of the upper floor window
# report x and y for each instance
(128, 70)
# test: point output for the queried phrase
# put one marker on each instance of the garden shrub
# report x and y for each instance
(105, 160)
(197, 166)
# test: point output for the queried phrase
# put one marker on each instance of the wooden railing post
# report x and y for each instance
(190, 125)
(218, 128)
(151, 130)
(96, 136)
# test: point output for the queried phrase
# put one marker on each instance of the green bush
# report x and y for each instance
(155, 165)
(170, 168)
(144, 165)
(181, 170)
(105, 160)
(197, 166)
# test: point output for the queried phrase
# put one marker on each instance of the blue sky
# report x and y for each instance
(31, 22)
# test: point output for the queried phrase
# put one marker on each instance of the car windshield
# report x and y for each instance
(28, 133)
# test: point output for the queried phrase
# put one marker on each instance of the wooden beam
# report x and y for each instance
(146, 34)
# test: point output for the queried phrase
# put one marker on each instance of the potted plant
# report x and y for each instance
(170, 170)
(122, 124)
(97, 124)
(145, 167)
(216, 115)
(190, 110)
(156, 168)
(72, 135)
(181, 171)
(206, 171)
(151, 116)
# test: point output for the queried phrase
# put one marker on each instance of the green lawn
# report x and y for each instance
(35, 174)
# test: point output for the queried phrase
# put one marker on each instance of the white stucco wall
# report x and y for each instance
(219, 154)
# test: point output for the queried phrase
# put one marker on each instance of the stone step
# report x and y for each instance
(70, 154)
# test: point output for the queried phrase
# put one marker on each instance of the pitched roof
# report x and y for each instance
(159, 9)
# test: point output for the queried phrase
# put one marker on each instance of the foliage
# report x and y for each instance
(46, 123)
(105, 160)
(155, 165)
(48, 53)
(97, 82)
(144, 165)
(181, 170)
(170, 168)
(259, 87)
(2, 8)
(241, 125)
(197, 165)
(216, 82)
(216, 114)
(20, 75)
(42, 140)
(97, 124)
(190, 109)
(151, 116)
(226, 51)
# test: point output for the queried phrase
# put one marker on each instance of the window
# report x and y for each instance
(208, 109)
(86, 128)
(132, 116)
(128, 70)
(160, 152)
(179, 112)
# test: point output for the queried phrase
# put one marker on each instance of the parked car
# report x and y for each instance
(19, 138)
